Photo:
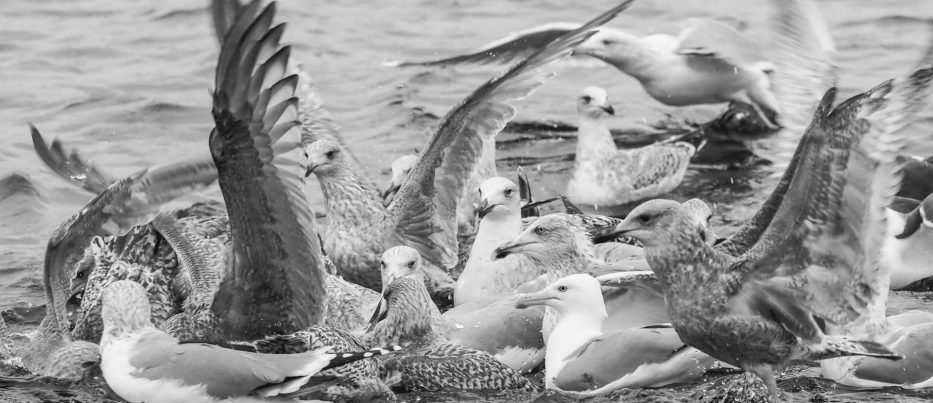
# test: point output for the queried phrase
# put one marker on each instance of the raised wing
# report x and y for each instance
(711, 38)
(70, 165)
(506, 50)
(826, 235)
(156, 185)
(424, 210)
(749, 234)
(275, 282)
(804, 57)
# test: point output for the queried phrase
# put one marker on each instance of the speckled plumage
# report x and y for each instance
(810, 277)
(606, 175)
(428, 362)
(362, 379)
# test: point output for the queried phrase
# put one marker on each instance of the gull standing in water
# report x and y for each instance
(809, 284)
(423, 213)
(606, 175)
(429, 362)
(581, 357)
(144, 364)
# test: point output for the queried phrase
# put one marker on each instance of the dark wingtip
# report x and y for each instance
(912, 224)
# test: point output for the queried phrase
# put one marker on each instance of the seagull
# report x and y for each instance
(806, 285)
(143, 364)
(423, 212)
(606, 175)
(582, 358)
(500, 220)
(708, 62)
(429, 362)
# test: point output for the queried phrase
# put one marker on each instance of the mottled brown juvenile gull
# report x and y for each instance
(423, 213)
(581, 357)
(143, 364)
(428, 361)
(810, 284)
(605, 175)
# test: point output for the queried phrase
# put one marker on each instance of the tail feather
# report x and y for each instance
(831, 347)
(344, 358)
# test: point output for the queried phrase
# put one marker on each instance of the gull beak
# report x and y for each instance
(378, 314)
(509, 248)
(609, 109)
(538, 298)
(389, 193)
(622, 229)
(310, 170)
(484, 208)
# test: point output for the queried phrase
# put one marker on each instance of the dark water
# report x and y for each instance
(127, 83)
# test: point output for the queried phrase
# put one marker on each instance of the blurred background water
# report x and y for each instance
(127, 83)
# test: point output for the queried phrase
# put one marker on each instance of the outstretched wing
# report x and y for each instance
(805, 70)
(826, 234)
(69, 165)
(711, 38)
(506, 50)
(155, 185)
(804, 57)
(275, 282)
(424, 210)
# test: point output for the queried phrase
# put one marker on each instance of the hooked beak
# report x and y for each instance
(310, 170)
(378, 314)
(484, 208)
(509, 248)
(620, 230)
(538, 298)
(609, 109)
(389, 193)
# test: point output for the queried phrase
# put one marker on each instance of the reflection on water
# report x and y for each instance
(126, 83)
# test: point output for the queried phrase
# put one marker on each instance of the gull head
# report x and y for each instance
(322, 157)
(548, 237)
(611, 46)
(125, 308)
(594, 103)
(701, 214)
(499, 198)
(574, 293)
(398, 262)
(401, 167)
(658, 222)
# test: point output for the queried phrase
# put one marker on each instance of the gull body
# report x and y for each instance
(429, 362)
(581, 357)
(606, 175)
(143, 364)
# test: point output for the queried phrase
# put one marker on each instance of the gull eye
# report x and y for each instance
(607, 42)
(586, 99)
(644, 218)
(382, 265)
(508, 192)
(411, 264)
(562, 288)
(540, 231)
(330, 154)
(709, 218)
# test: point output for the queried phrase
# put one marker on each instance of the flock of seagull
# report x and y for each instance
(449, 280)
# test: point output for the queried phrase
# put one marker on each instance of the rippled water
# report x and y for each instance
(127, 84)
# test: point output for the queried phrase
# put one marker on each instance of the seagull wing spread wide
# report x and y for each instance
(424, 210)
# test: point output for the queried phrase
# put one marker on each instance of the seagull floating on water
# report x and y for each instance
(429, 362)
(144, 364)
(606, 175)
(807, 286)
(582, 358)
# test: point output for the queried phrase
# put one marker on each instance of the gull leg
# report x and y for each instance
(766, 373)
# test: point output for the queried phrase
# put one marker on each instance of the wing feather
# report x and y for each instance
(453, 151)
(274, 283)
(711, 38)
(506, 50)
(833, 215)
(70, 165)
